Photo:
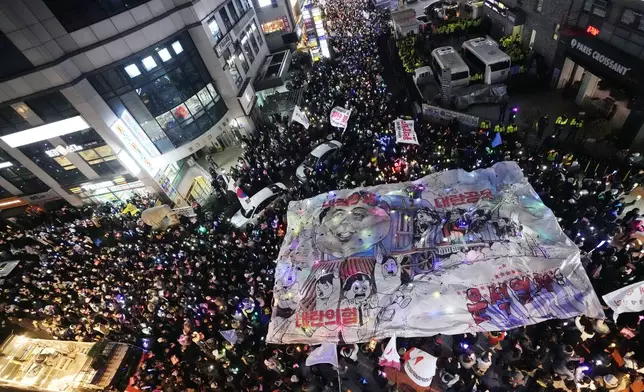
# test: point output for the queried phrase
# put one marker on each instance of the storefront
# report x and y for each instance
(117, 189)
(604, 81)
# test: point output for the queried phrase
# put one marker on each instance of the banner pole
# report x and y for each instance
(339, 382)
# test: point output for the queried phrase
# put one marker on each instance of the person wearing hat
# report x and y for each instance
(613, 382)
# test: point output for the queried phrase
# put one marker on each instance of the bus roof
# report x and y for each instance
(448, 58)
(486, 49)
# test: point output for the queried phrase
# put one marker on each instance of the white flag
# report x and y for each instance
(300, 117)
(326, 353)
(405, 132)
(390, 357)
(340, 117)
(627, 299)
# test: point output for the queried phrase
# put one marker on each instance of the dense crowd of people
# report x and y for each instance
(197, 296)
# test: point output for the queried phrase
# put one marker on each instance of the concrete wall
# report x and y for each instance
(544, 22)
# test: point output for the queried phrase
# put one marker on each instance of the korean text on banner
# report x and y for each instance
(362, 263)
(300, 117)
(627, 299)
(340, 117)
(405, 132)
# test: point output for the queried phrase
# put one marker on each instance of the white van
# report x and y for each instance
(484, 56)
(446, 58)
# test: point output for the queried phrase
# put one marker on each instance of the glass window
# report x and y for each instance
(204, 121)
(165, 90)
(164, 54)
(244, 63)
(264, 3)
(245, 5)
(240, 6)
(177, 47)
(193, 104)
(233, 12)
(273, 26)
(234, 73)
(225, 19)
(23, 179)
(247, 51)
(214, 29)
(132, 70)
(180, 80)
(181, 112)
(253, 43)
(149, 63)
(89, 155)
(166, 121)
(204, 96)
(59, 169)
(258, 35)
(213, 92)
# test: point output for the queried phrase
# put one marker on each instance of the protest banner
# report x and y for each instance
(627, 299)
(453, 252)
(300, 117)
(340, 117)
(405, 132)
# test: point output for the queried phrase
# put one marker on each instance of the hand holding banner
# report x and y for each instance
(340, 117)
(405, 132)
(300, 117)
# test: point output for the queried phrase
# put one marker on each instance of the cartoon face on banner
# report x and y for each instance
(364, 263)
(351, 227)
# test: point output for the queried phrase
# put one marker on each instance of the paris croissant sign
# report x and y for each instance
(599, 57)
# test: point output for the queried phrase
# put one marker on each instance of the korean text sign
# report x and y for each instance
(452, 252)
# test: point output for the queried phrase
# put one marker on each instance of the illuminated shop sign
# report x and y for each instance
(62, 150)
(133, 146)
(599, 57)
(592, 30)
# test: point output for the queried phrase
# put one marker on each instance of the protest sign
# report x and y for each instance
(405, 132)
(340, 117)
(453, 252)
(627, 299)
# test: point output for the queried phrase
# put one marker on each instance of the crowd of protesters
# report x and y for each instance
(197, 296)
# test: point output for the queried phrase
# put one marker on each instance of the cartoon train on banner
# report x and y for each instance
(369, 262)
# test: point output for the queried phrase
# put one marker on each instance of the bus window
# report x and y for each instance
(500, 66)
(474, 61)
(460, 75)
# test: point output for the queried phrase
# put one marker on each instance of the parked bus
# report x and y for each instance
(485, 58)
(446, 58)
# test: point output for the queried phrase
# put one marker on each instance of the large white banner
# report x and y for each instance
(300, 117)
(627, 299)
(405, 132)
(453, 252)
(339, 117)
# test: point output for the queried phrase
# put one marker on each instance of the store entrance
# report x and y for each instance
(230, 138)
(598, 97)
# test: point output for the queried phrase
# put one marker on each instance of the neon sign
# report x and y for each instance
(592, 30)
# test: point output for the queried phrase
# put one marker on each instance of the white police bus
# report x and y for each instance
(486, 59)
(446, 58)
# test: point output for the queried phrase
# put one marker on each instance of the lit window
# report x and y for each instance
(164, 54)
(177, 47)
(149, 63)
(264, 3)
(214, 27)
(132, 70)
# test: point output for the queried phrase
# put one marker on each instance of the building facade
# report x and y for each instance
(537, 22)
(599, 56)
(100, 100)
